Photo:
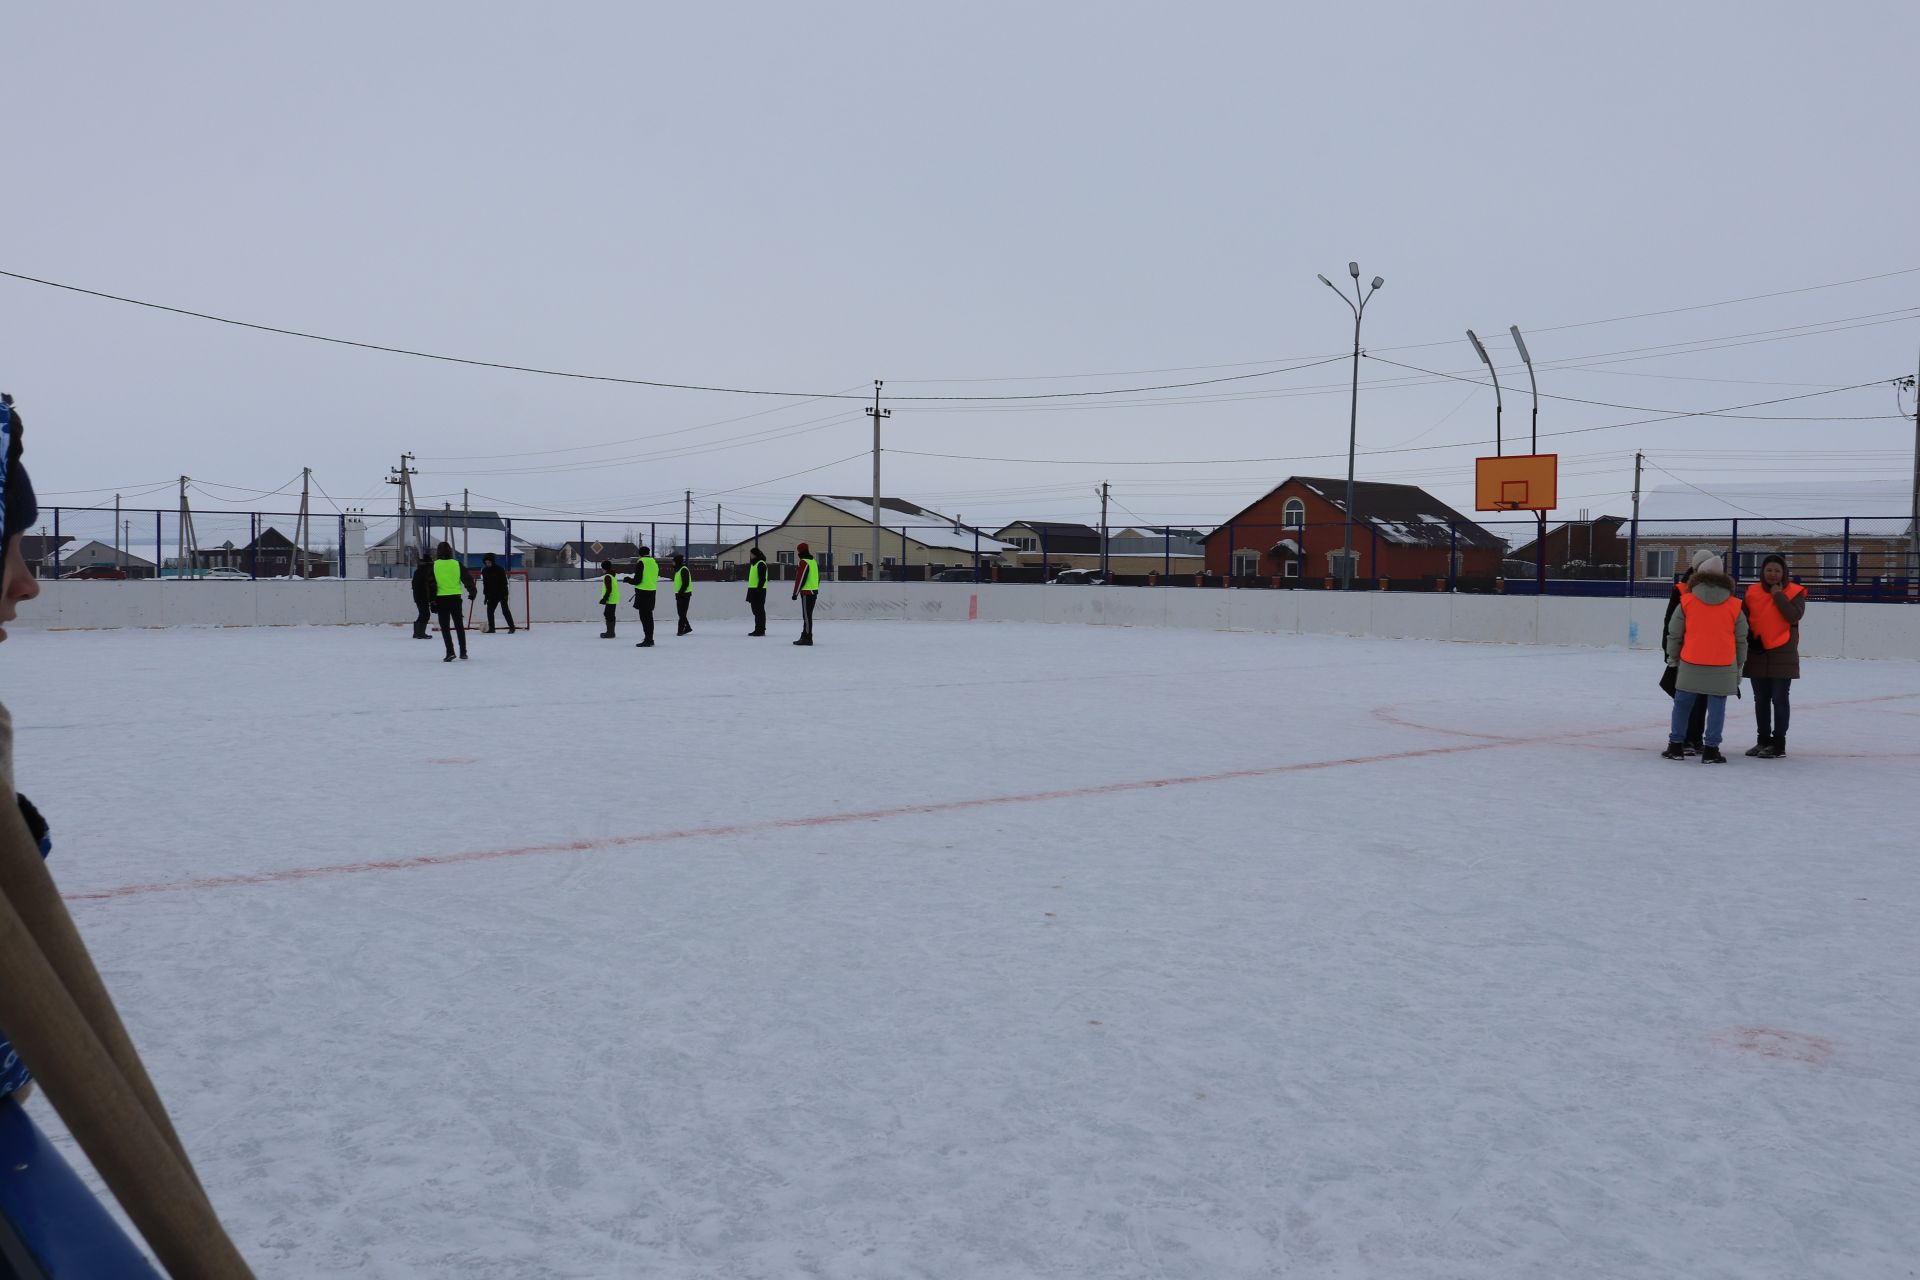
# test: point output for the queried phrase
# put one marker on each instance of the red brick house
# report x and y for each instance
(1400, 531)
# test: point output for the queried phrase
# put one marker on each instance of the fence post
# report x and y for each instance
(874, 573)
(1232, 546)
(159, 547)
(1846, 559)
(1046, 574)
(1373, 550)
(583, 551)
(1166, 551)
(56, 542)
(507, 538)
(253, 545)
(1733, 551)
(976, 555)
(903, 553)
(1453, 555)
(1633, 556)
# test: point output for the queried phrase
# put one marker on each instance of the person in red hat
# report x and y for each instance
(806, 589)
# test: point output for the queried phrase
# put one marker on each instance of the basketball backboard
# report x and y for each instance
(1517, 482)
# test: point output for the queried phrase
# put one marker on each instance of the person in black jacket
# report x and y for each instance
(682, 593)
(423, 592)
(1697, 721)
(493, 584)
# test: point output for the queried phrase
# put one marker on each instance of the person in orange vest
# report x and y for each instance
(1697, 723)
(1775, 606)
(1706, 647)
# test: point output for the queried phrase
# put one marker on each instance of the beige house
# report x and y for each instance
(839, 531)
(1131, 552)
(1852, 535)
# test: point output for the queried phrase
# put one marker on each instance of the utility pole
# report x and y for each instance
(686, 527)
(302, 528)
(402, 476)
(1633, 532)
(876, 413)
(1913, 529)
(716, 535)
(466, 526)
(117, 561)
(189, 545)
(1104, 486)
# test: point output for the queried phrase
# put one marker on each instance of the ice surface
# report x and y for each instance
(1421, 962)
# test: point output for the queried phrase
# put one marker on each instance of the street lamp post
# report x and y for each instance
(1540, 538)
(1358, 305)
(1488, 361)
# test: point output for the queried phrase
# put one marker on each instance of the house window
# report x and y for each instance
(1291, 568)
(784, 557)
(859, 558)
(1838, 567)
(1294, 514)
(1246, 564)
(1659, 562)
(1026, 544)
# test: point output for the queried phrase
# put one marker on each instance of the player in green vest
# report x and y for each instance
(757, 590)
(806, 589)
(449, 580)
(682, 593)
(609, 597)
(645, 581)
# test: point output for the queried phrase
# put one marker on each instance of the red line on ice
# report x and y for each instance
(765, 825)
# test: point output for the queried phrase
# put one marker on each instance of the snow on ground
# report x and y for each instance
(995, 951)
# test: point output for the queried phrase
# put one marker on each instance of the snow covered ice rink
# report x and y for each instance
(948, 950)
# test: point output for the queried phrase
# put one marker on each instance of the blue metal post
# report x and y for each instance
(253, 545)
(1633, 556)
(1373, 550)
(1846, 558)
(976, 555)
(874, 573)
(1453, 555)
(1232, 546)
(583, 551)
(56, 542)
(1166, 553)
(159, 547)
(507, 538)
(340, 550)
(1733, 552)
(1046, 574)
(903, 553)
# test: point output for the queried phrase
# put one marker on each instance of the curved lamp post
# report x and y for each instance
(1358, 305)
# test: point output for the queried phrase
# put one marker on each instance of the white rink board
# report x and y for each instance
(1854, 630)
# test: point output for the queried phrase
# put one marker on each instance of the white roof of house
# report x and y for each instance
(928, 528)
(1882, 508)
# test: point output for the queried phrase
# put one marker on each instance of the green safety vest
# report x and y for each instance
(810, 575)
(683, 582)
(649, 574)
(757, 575)
(446, 577)
(609, 590)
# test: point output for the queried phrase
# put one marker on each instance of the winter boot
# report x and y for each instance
(1690, 748)
(1773, 748)
(1711, 755)
(1761, 747)
(1674, 751)
(644, 644)
(448, 658)
(806, 640)
(606, 635)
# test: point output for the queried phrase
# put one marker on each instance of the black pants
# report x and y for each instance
(503, 607)
(610, 610)
(643, 601)
(1697, 723)
(452, 619)
(426, 614)
(757, 601)
(807, 600)
(681, 599)
(1770, 705)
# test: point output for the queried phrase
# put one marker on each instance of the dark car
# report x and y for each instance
(959, 575)
(96, 571)
(1079, 578)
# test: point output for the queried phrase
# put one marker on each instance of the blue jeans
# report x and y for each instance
(1683, 701)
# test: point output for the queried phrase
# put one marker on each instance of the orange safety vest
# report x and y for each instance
(1765, 617)
(1709, 640)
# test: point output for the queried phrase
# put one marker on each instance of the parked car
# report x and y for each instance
(102, 571)
(1079, 578)
(960, 575)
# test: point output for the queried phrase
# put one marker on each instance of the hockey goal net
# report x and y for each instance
(519, 602)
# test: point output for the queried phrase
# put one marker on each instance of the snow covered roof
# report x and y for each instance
(928, 528)
(1778, 510)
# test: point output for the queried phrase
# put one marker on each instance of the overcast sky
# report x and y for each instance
(953, 198)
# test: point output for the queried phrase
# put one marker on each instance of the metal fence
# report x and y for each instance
(1836, 557)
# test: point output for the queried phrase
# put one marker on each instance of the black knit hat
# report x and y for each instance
(21, 509)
